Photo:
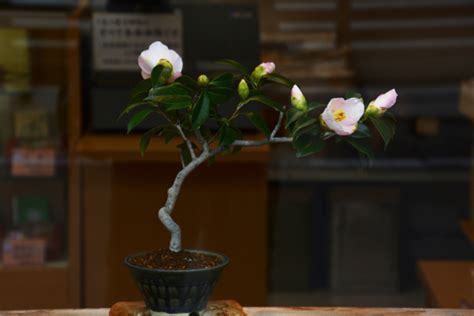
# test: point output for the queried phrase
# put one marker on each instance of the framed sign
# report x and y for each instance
(118, 38)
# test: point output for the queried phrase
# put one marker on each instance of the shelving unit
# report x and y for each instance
(49, 36)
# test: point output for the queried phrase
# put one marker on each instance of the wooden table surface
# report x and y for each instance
(279, 311)
(450, 283)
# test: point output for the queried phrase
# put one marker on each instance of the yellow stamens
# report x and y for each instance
(339, 115)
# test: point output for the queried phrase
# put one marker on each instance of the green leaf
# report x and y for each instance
(132, 106)
(361, 132)
(145, 139)
(188, 82)
(169, 132)
(361, 145)
(315, 105)
(185, 153)
(259, 122)
(174, 96)
(177, 103)
(156, 74)
(174, 89)
(201, 111)
(303, 125)
(138, 117)
(276, 78)
(386, 128)
(143, 86)
(293, 115)
(308, 143)
(235, 65)
(266, 101)
(218, 95)
(224, 80)
(206, 132)
(227, 135)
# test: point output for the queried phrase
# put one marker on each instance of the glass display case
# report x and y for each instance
(35, 221)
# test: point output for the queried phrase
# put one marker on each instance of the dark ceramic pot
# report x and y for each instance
(176, 291)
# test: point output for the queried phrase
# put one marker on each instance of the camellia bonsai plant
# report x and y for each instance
(179, 281)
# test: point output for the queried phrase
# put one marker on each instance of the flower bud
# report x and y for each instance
(203, 80)
(167, 69)
(243, 89)
(385, 101)
(372, 110)
(262, 70)
(297, 99)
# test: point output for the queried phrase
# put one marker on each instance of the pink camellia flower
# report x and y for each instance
(160, 53)
(341, 116)
(387, 100)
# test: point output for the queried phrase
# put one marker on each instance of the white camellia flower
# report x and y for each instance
(341, 116)
(157, 52)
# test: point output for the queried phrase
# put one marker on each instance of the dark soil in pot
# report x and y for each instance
(176, 282)
(168, 260)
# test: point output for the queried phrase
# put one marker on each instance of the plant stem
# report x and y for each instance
(165, 212)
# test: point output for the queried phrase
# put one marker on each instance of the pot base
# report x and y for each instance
(176, 292)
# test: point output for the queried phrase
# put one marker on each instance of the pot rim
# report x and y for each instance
(225, 262)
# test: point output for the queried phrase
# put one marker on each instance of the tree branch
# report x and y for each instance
(164, 213)
(202, 140)
(186, 140)
(277, 126)
(273, 140)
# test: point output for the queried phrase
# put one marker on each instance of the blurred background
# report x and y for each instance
(327, 230)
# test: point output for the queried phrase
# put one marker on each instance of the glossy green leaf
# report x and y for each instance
(156, 74)
(201, 111)
(386, 128)
(146, 137)
(177, 103)
(218, 95)
(361, 145)
(259, 122)
(174, 89)
(266, 101)
(132, 106)
(169, 132)
(293, 115)
(138, 117)
(315, 105)
(308, 143)
(143, 86)
(227, 135)
(235, 65)
(187, 81)
(303, 125)
(224, 80)
(276, 78)
(361, 132)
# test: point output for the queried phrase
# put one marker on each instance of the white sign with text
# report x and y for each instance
(118, 38)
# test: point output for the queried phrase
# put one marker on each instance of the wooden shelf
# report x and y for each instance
(33, 282)
(126, 148)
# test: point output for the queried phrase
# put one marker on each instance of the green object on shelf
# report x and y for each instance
(30, 209)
